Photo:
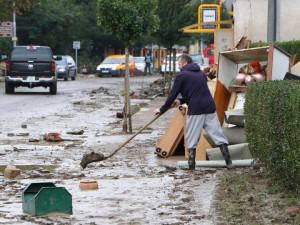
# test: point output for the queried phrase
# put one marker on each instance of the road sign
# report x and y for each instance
(6, 29)
(209, 15)
(76, 44)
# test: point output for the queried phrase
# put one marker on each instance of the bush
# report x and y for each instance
(272, 115)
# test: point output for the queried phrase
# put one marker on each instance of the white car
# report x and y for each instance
(165, 64)
(140, 63)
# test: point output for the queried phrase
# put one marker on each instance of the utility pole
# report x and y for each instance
(272, 20)
(14, 38)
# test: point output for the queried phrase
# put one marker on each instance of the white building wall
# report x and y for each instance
(289, 20)
(251, 20)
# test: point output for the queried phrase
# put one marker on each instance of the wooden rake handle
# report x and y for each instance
(133, 136)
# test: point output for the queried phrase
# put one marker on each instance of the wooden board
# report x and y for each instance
(248, 55)
(173, 135)
(222, 98)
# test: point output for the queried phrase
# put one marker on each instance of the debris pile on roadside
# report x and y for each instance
(211, 71)
(153, 89)
(100, 90)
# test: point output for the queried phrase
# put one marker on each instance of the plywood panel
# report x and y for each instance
(174, 133)
(222, 98)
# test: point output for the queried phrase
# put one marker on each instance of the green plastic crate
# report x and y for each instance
(42, 198)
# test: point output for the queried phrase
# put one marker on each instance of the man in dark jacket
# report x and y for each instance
(191, 83)
(148, 61)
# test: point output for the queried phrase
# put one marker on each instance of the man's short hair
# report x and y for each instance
(186, 58)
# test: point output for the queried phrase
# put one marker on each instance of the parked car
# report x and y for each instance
(140, 64)
(114, 65)
(165, 64)
(72, 67)
(63, 71)
(30, 66)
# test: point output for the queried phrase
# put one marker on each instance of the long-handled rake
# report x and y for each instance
(96, 157)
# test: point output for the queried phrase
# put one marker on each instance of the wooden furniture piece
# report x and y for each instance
(167, 145)
(276, 59)
(230, 62)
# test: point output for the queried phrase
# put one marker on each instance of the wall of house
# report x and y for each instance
(289, 20)
(251, 20)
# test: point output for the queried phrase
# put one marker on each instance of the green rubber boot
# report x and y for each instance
(192, 156)
(226, 156)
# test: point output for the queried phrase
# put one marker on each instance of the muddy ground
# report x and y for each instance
(135, 186)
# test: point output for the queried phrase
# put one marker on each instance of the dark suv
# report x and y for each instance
(30, 66)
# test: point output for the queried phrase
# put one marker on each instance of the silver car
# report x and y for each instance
(65, 69)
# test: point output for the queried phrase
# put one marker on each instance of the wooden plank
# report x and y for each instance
(174, 133)
(231, 104)
(232, 101)
(293, 60)
(237, 88)
(221, 97)
(247, 55)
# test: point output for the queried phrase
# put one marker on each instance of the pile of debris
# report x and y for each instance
(157, 88)
(211, 71)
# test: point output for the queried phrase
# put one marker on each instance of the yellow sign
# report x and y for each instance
(209, 20)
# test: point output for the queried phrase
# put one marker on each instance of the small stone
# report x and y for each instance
(24, 126)
(11, 172)
(23, 134)
(33, 140)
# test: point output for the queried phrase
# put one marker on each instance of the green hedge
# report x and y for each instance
(291, 47)
(272, 115)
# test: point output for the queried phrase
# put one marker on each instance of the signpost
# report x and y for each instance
(209, 13)
(76, 46)
(6, 29)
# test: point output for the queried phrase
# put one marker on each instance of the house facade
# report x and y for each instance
(266, 20)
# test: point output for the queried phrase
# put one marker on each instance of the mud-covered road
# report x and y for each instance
(135, 186)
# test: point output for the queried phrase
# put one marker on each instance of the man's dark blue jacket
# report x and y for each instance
(191, 83)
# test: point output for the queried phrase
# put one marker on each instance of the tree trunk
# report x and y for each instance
(174, 65)
(127, 107)
(169, 75)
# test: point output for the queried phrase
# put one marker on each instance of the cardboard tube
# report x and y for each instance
(237, 152)
(216, 163)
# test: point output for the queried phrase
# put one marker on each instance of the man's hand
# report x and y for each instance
(156, 111)
(176, 103)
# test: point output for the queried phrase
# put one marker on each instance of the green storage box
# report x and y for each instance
(42, 198)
